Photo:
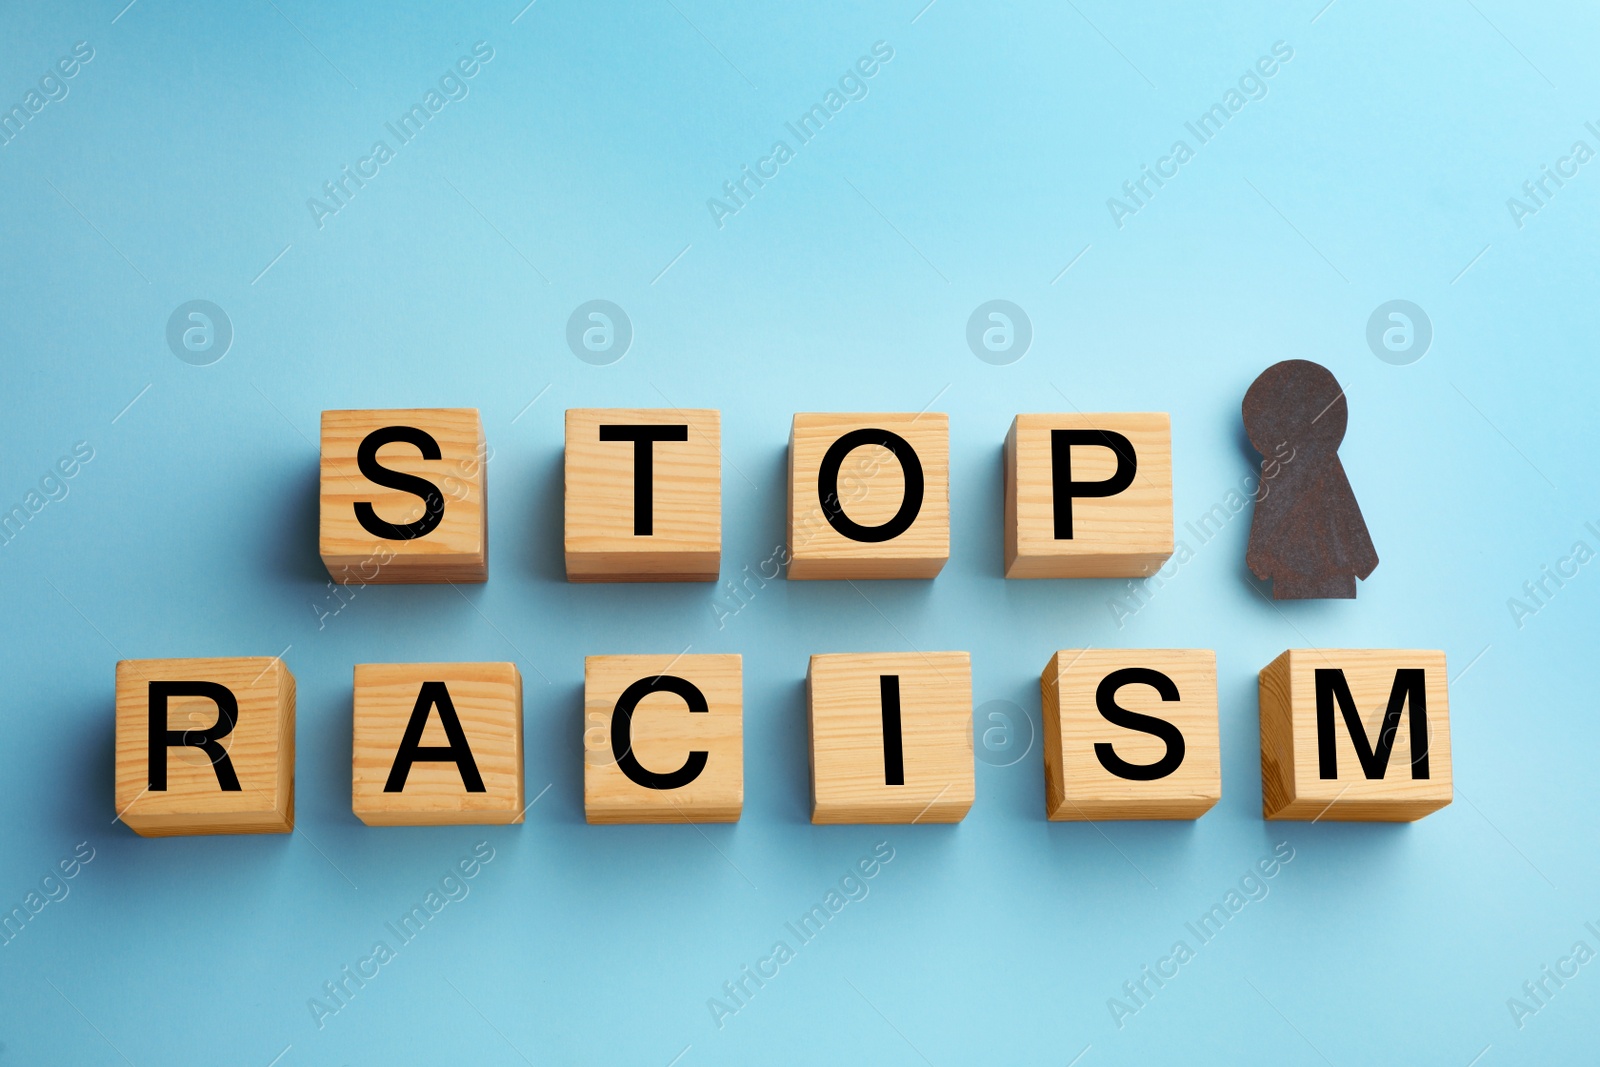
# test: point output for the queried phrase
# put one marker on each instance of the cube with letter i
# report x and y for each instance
(891, 737)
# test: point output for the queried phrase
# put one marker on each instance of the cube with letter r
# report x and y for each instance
(205, 746)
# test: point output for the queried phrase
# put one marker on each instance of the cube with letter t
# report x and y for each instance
(1088, 496)
(402, 496)
(1355, 734)
(205, 746)
(643, 495)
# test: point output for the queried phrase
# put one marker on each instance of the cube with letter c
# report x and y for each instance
(663, 738)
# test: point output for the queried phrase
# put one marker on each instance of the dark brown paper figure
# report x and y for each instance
(1307, 534)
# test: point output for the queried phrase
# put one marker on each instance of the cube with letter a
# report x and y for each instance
(643, 495)
(205, 746)
(891, 737)
(1131, 734)
(402, 496)
(869, 495)
(1355, 734)
(663, 738)
(437, 744)
(1088, 496)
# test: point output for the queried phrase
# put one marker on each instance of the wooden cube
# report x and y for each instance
(644, 495)
(437, 744)
(663, 739)
(205, 746)
(1360, 735)
(403, 496)
(1088, 496)
(1131, 734)
(869, 495)
(891, 737)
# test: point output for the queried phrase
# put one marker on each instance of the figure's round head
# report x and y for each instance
(1298, 403)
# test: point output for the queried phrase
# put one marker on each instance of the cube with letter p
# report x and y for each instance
(1088, 496)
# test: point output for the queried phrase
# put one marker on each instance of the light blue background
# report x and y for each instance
(1377, 167)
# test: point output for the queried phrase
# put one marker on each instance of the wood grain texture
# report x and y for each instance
(664, 732)
(487, 698)
(260, 749)
(685, 543)
(1291, 783)
(457, 550)
(1126, 535)
(871, 489)
(845, 709)
(1078, 786)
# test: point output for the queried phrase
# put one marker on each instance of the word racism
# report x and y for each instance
(1252, 85)
(452, 87)
(852, 86)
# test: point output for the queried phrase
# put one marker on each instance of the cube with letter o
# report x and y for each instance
(869, 495)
